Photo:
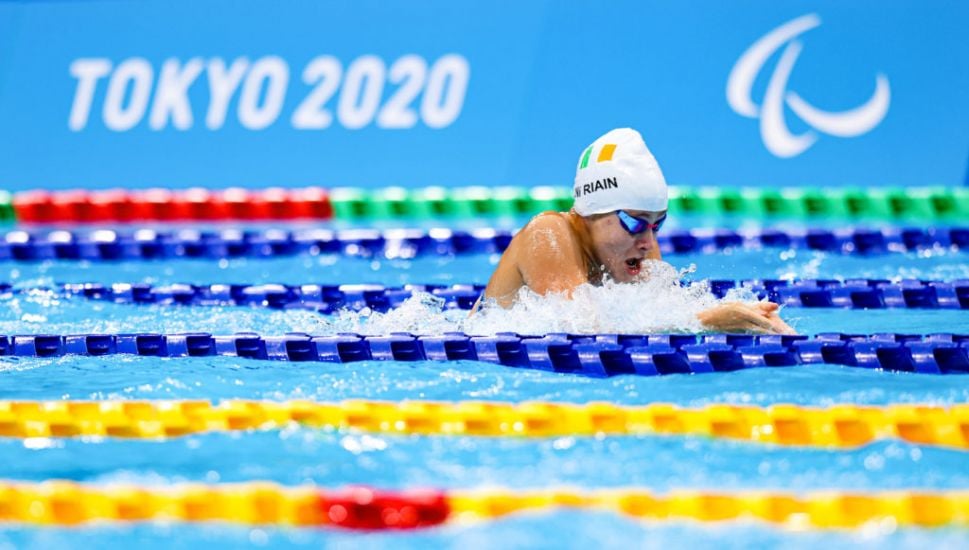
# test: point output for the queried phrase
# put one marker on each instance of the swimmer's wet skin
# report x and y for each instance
(620, 202)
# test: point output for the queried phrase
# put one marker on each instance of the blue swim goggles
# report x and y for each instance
(635, 226)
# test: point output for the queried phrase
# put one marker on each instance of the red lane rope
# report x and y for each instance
(120, 205)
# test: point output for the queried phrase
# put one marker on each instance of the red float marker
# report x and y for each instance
(70, 206)
(110, 205)
(363, 508)
(33, 206)
(279, 203)
(311, 203)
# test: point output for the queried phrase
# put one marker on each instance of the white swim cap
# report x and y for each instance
(617, 172)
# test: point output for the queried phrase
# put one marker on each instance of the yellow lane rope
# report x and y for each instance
(264, 503)
(836, 426)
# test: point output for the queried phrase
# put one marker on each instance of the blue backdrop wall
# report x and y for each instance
(373, 92)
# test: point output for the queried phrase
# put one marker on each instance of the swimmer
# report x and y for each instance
(620, 202)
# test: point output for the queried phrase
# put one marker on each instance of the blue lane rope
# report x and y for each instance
(597, 355)
(812, 293)
(147, 244)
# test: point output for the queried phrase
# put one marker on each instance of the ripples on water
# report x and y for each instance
(301, 455)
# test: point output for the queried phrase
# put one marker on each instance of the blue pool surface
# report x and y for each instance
(333, 459)
(562, 529)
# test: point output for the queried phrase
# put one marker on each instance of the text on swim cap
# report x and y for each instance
(598, 185)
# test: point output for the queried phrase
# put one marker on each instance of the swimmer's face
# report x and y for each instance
(622, 253)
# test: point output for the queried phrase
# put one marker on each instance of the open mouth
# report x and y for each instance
(634, 266)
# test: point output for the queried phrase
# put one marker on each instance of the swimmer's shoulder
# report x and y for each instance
(551, 231)
(550, 221)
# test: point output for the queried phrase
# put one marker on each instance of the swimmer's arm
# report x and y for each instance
(761, 317)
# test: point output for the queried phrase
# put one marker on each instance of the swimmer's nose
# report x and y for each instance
(645, 240)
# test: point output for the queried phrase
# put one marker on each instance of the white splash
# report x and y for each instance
(657, 303)
(422, 313)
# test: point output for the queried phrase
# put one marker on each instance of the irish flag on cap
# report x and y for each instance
(617, 172)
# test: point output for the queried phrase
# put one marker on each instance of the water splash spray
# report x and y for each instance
(658, 302)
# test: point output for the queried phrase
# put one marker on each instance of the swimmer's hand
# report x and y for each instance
(759, 318)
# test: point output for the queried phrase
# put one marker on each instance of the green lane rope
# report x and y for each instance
(916, 205)
(458, 202)
(7, 213)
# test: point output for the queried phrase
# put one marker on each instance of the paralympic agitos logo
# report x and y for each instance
(773, 130)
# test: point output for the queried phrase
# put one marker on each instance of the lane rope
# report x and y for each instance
(58, 502)
(598, 355)
(159, 204)
(327, 299)
(156, 244)
(839, 426)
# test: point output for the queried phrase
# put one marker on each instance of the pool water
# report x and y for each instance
(333, 458)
